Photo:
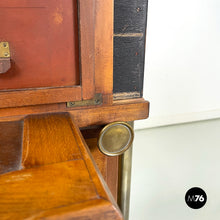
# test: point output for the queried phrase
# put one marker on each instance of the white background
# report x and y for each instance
(182, 78)
(182, 70)
(167, 162)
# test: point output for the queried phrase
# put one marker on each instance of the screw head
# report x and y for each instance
(97, 101)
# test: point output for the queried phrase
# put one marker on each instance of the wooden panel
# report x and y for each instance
(43, 36)
(99, 158)
(87, 50)
(39, 96)
(97, 209)
(96, 57)
(108, 166)
(126, 110)
(109, 114)
(27, 192)
(129, 47)
(48, 139)
(10, 146)
(104, 47)
(64, 190)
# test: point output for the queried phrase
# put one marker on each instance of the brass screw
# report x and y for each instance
(6, 54)
(97, 101)
(72, 104)
(5, 45)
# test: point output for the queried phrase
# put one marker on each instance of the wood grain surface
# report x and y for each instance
(31, 97)
(88, 60)
(104, 46)
(10, 146)
(48, 139)
(86, 9)
(59, 179)
(108, 166)
(27, 192)
(43, 35)
(123, 110)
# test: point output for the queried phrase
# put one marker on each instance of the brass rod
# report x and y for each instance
(125, 164)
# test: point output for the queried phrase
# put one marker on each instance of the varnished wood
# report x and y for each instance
(104, 47)
(86, 9)
(27, 192)
(108, 166)
(126, 110)
(95, 19)
(48, 139)
(10, 146)
(39, 96)
(97, 209)
(55, 186)
(56, 164)
(49, 34)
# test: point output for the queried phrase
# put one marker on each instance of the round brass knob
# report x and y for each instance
(115, 138)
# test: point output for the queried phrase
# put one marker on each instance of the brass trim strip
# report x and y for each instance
(96, 101)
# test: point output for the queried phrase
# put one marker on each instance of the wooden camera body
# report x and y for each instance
(67, 69)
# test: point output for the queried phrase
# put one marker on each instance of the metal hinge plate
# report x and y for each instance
(96, 101)
(4, 50)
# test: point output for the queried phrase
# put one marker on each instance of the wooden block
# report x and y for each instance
(10, 146)
(48, 139)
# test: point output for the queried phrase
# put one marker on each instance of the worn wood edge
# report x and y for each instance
(104, 25)
(89, 161)
(123, 110)
(93, 169)
(129, 101)
(20, 176)
(10, 146)
(63, 151)
(86, 10)
(112, 180)
(81, 210)
(108, 166)
(108, 208)
(39, 96)
(126, 95)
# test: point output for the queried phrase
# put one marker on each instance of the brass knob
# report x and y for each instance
(115, 138)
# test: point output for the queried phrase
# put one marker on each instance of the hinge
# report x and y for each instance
(97, 100)
(4, 50)
(5, 61)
